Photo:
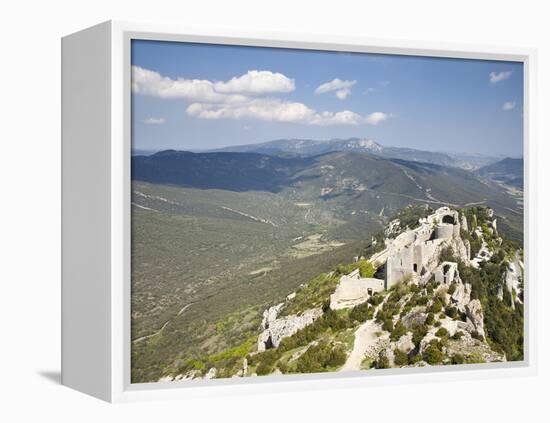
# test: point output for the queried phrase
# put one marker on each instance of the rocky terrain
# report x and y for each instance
(451, 292)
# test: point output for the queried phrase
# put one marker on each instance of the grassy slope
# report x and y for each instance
(208, 258)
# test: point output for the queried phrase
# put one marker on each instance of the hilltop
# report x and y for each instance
(441, 287)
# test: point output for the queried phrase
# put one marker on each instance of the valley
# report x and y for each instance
(217, 238)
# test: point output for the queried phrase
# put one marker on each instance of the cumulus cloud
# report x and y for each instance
(376, 117)
(154, 121)
(275, 110)
(268, 110)
(257, 82)
(343, 93)
(342, 88)
(237, 89)
(241, 98)
(151, 83)
(509, 105)
(495, 77)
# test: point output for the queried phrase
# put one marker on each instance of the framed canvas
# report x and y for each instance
(272, 212)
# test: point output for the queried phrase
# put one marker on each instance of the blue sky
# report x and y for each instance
(197, 97)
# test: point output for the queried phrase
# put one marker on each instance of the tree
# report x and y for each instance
(429, 319)
(388, 325)
(442, 333)
(401, 358)
(366, 269)
(398, 331)
(433, 355)
(383, 361)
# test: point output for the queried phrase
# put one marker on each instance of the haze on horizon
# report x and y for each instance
(201, 97)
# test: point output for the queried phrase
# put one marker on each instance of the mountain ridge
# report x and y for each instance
(508, 171)
(310, 147)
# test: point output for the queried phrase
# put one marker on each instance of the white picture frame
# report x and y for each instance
(96, 226)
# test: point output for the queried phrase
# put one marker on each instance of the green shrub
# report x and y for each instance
(362, 312)
(401, 358)
(458, 359)
(375, 299)
(474, 359)
(388, 325)
(433, 354)
(446, 254)
(382, 362)
(452, 288)
(457, 335)
(366, 269)
(429, 319)
(419, 332)
(264, 368)
(398, 331)
(436, 306)
(442, 333)
(452, 312)
(321, 358)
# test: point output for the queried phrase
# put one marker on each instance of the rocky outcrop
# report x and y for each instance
(270, 315)
(461, 249)
(430, 336)
(475, 317)
(467, 346)
(484, 254)
(405, 343)
(392, 228)
(211, 374)
(413, 318)
(279, 329)
(243, 370)
(464, 223)
(461, 296)
(512, 280)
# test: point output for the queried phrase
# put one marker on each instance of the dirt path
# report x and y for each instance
(365, 336)
(143, 338)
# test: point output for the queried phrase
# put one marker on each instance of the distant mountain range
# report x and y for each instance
(308, 147)
(343, 181)
(507, 171)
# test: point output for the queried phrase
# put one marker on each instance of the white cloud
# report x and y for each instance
(342, 94)
(240, 98)
(342, 88)
(497, 77)
(275, 110)
(236, 90)
(509, 105)
(345, 117)
(154, 121)
(257, 82)
(268, 110)
(147, 82)
(376, 117)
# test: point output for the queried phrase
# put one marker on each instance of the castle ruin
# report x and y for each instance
(413, 255)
